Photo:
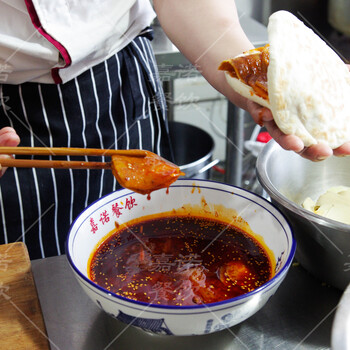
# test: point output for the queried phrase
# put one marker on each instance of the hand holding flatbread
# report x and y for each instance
(300, 79)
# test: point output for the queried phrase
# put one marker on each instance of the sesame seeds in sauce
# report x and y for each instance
(180, 260)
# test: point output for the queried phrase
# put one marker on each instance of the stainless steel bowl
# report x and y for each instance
(323, 245)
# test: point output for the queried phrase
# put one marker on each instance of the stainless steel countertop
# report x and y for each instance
(298, 316)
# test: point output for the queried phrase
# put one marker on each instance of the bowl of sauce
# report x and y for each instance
(192, 259)
(178, 260)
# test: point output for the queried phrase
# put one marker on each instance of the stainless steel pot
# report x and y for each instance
(323, 245)
(193, 150)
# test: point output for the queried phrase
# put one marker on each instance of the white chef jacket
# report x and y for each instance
(53, 41)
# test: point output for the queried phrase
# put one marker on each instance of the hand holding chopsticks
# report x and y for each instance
(62, 151)
(138, 170)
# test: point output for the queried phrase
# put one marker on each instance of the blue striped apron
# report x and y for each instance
(116, 104)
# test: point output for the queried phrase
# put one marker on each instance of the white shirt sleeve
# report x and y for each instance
(56, 40)
(25, 54)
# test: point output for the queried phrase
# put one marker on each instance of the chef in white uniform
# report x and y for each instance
(83, 74)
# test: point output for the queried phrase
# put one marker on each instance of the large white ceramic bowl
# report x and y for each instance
(340, 337)
(265, 220)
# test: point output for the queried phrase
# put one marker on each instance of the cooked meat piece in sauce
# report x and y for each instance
(144, 174)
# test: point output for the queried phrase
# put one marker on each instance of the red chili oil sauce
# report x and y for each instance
(180, 260)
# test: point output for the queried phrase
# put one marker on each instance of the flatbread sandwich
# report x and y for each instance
(300, 78)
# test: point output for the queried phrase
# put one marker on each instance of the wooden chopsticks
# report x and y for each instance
(62, 151)
(58, 164)
(66, 151)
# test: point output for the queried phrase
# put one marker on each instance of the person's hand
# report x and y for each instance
(263, 116)
(8, 138)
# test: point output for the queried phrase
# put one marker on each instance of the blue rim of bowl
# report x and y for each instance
(266, 285)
